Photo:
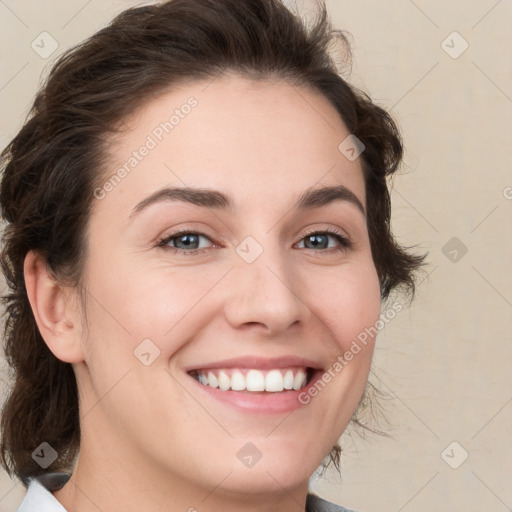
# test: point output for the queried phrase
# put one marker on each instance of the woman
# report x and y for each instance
(197, 248)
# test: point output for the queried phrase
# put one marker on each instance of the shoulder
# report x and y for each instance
(316, 504)
(39, 497)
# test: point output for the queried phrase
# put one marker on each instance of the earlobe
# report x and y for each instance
(57, 316)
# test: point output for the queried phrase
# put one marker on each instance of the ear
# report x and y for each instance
(55, 310)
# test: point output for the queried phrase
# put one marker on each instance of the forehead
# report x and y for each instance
(258, 141)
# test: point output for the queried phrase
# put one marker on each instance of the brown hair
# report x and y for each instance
(52, 166)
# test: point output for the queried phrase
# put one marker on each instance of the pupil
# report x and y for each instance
(188, 240)
(317, 240)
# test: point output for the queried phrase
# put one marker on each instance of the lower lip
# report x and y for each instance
(261, 402)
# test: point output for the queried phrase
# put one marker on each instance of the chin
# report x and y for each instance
(268, 479)
(272, 467)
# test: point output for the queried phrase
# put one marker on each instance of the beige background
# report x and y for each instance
(444, 362)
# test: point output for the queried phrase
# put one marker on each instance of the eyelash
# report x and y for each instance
(344, 242)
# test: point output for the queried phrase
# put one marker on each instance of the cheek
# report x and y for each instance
(161, 300)
(154, 303)
(347, 302)
(126, 308)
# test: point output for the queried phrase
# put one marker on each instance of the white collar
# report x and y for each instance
(39, 497)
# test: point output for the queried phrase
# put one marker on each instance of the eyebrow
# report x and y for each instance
(209, 198)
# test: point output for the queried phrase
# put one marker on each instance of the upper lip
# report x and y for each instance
(257, 363)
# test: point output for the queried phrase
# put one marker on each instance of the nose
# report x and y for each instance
(264, 295)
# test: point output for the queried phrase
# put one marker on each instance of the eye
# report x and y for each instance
(184, 241)
(323, 240)
(193, 242)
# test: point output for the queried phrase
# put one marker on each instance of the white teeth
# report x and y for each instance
(288, 380)
(237, 382)
(224, 381)
(212, 380)
(299, 380)
(255, 381)
(272, 381)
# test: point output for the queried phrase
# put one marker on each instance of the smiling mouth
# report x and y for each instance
(255, 381)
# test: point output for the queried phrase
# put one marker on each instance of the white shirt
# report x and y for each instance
(39, 497)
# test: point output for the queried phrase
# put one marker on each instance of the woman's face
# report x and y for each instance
(255, 291)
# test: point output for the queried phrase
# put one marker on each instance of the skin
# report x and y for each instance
(150, 439)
